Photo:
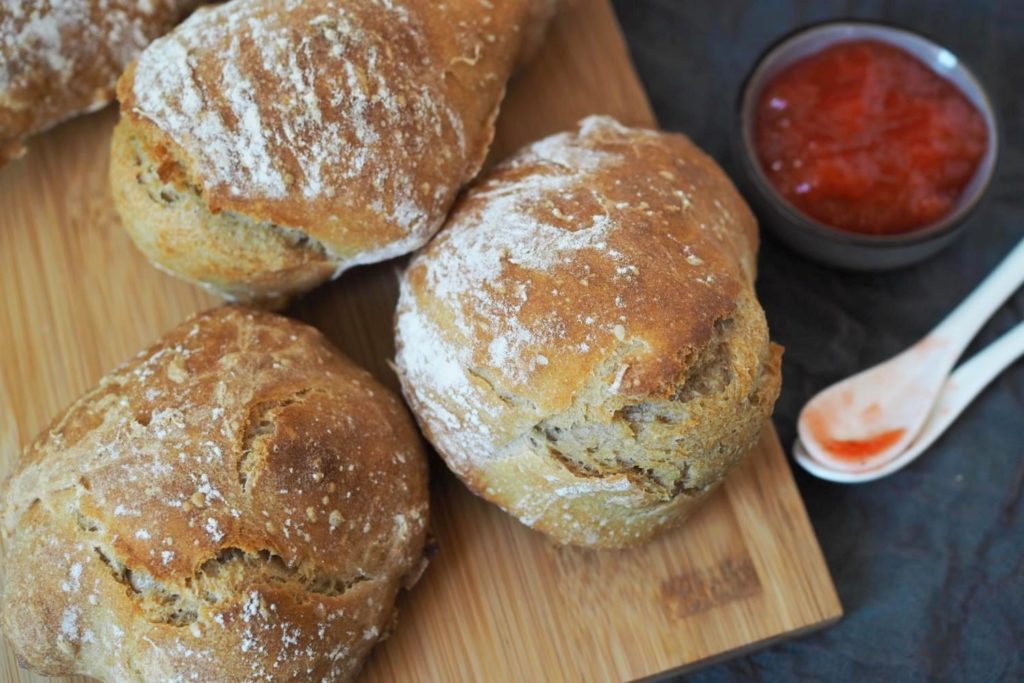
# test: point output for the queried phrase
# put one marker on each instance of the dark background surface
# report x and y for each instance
(929, 563)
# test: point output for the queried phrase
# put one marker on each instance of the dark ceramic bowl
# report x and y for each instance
(823, 242)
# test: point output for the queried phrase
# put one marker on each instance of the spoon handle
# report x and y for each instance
(960, 326)
(966, 382)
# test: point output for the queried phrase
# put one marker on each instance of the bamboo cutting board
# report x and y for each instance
(499, 602)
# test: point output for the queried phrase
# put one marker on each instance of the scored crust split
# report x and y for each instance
(582, 342)
(266, 147)
(238, 502)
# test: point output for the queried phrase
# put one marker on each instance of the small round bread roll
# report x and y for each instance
(582, 342)
(238, 503)
(266, 147)
(62, 58)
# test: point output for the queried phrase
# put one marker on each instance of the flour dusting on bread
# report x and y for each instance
(51, 33)
(61, 58)
(582, 343)
(239, 502)
(311, 91)
(530, 233)
(265, 146)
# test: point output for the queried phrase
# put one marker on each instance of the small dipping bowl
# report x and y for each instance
(823, 242)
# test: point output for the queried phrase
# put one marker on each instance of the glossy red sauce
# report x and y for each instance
(865, 137)
(862, 449)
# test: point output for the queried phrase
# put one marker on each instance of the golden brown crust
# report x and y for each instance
(353, 124)
(233, 256)
(582, 342)
(239, 502)
(63, 57)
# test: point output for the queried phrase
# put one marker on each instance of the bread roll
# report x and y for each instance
(61, 58)
(239, 502)
(582, 342)
(265, 147)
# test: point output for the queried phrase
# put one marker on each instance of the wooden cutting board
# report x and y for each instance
(499, 602)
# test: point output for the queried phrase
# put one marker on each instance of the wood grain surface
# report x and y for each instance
(499, 602)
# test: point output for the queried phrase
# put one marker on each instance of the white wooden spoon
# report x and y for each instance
(873, 416)
(960, 389)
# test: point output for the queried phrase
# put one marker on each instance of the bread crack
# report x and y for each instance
(167, 184)
(551, 438)
(218, 580)
(639, 439)
(712, 371)
(260, 424)
(508, 399)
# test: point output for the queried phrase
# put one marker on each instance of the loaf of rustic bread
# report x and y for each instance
(582, 342)
(265, 147)
(63, 57)
(239, 502)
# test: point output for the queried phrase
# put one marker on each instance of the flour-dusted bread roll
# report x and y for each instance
(582, 342)
(238, 503)
(63, 57)
(266, 147)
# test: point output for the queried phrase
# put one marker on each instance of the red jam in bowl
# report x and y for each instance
(865, 137)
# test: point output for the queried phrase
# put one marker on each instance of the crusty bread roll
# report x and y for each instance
(265, 147)
(63, 57)
(582, 342)
(239, 502)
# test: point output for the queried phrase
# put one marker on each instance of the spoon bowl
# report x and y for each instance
(875, 414)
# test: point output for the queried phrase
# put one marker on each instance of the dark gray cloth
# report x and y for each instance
(929, 563)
